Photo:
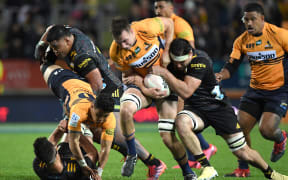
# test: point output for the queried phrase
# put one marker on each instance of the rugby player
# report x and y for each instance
(55, 161)
(265, 100)
(135, 49)
(84, 58)
(82, 106)
(192, 78)
(182, 29)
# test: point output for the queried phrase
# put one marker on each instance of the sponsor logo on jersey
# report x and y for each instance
(149, 56)
(137, 50)
(84, 63)
(249, 46)
(198, 66)
(74, 120)
(259, 42)
(147, 45)
(73, 54)
(109, 132)
(261, 55)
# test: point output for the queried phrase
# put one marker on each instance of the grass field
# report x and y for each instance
(16, 153)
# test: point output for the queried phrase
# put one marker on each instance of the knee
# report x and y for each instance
(126, 111)
(266, 131)
(182, 127)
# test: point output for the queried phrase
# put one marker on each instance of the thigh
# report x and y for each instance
(134, 98)
(166, 109)
(246, 121)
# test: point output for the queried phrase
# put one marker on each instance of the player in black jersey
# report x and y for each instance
(55, 161)
(80, 54)
(193, 79)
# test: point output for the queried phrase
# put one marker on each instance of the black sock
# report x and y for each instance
(151, 160)
(202, 160)
(268, 172)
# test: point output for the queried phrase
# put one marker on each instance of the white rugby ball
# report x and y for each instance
(155, 81)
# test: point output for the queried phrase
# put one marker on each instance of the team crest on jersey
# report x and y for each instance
(268, 45)
(259, 42)
(147, 45)
(74, 120)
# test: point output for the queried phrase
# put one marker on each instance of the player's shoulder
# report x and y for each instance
(275, 30)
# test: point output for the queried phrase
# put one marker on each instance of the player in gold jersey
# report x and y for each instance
(82, 107)
(135, 49)
(265, 100)
(182, 29)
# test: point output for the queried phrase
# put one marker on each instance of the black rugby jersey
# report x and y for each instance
(209, 95)
(71, 169)
(85, 56)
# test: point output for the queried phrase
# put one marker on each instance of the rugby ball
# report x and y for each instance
(155, 81)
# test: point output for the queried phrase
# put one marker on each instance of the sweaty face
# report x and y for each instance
(163, 9)
(60, 47)
(126, 40)
(254, 22)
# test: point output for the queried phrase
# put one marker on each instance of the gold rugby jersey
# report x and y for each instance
(182, 29)
(266, 54)
(81, 99)
(147, 50)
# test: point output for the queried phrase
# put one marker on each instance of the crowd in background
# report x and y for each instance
(216, 23)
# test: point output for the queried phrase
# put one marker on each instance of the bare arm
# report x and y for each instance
(56, 135)
(74, 144)
(169, 33)
(104, 153)
(95, 79)
(183, 88)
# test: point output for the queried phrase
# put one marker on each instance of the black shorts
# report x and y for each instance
(255, 102)
(223, 120)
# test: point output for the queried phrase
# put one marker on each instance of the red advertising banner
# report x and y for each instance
(20, 74)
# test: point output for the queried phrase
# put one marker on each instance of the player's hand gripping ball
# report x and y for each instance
(155, 81)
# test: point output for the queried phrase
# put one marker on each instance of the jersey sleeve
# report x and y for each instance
(108, 128)
(115, 56)
(198, 68)
(183, 30)
(78, 114)
(283, 38)
(236, 51)
(150, 27)
(84, 64)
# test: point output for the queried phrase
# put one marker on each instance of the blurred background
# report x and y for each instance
(24, 97)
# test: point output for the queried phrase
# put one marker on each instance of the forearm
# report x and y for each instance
(74, 145)
(177, 85)
(225, 74)
(104, 153)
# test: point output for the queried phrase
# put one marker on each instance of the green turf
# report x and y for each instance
(17, 154)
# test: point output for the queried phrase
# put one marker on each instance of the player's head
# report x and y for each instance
(180, 53)
(122, 32)
(163, 8)
(44, 150)
(102, 107)
(60, 40)
(253, 18)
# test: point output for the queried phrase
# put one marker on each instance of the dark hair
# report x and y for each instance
(57, 32)
(169, 1)
(179, 47)
(254, 7)
(105, 102)
(44, 150)
(118, 25)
